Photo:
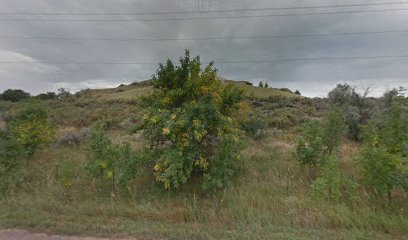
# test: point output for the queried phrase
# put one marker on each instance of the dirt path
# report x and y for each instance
(15, 234)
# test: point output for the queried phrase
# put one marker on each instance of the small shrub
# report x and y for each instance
(334, 128)
(319, 141)
(332, 185)
(254, 127)
(383, 157)
(379, 171)
(101, 154)
(72, 138)
(32, 129)
(106, 160)
(11, 155)
(310, 147)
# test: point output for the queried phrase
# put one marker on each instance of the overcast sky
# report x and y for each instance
(312, 77)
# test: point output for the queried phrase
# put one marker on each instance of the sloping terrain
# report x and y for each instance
(270, 198)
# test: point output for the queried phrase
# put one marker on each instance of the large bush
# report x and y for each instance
(31, 128)
(192, 122)
(356, 105)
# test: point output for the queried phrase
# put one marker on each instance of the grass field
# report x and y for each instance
(269, 199)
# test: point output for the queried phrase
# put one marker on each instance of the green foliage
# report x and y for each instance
(383, 159)
(334, 128)
(62, 93)
(191, 119)
(101, 154)
(318, 148)
(310, 147)
(379, 170)
(266, 85)
(11, 155)
(332, 185)
(284, 118)
(106, 160)
(47, 96)
(261, 84)
(254, 127)
(14, 95)
(32, 129)
(356, 106)
(394, 130)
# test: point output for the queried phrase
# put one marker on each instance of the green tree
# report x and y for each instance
(261, 84)
(266, 85)
(14, 95)
(192, 122)
(32, 129)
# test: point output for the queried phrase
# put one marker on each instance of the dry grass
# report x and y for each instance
(269, 199)
(133, 92)
(266, 92)
(2, 124)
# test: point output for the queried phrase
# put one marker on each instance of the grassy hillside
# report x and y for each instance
(270, 197)
(134, 91)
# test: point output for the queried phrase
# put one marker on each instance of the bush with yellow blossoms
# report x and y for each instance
(192, 123)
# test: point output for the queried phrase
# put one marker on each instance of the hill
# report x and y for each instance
(143, 88)
(270, 198)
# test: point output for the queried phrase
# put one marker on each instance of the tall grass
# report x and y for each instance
(270, 199)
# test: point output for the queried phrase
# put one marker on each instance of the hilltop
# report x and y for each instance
(145, 87)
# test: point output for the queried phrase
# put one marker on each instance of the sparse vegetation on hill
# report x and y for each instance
(299, 175)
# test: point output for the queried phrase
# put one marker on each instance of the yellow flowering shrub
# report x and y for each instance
(192, 122)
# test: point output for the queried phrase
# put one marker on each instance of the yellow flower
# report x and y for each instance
(202, 163)
(166, 185)
(166, 130)
(110, 174)
(173, 116)
(154, 119)
(103, 165)
(156, 167)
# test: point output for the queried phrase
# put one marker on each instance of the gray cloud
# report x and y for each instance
(312, 78)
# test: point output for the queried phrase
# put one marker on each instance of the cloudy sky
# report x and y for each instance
(64, 47)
